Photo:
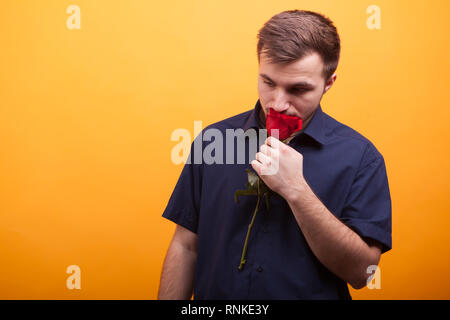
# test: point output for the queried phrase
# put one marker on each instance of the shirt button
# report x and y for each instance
(260, 269)
(265, 230)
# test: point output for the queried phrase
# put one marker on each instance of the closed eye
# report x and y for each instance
(297, 90)
(270, 84)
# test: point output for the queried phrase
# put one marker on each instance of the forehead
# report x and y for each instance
(308, 68)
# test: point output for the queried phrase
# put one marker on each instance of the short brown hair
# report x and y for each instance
(294, 34)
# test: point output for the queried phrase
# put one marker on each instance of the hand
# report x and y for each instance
(280, 167)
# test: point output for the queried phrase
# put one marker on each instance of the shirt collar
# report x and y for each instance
(315, 128)
(253, 119)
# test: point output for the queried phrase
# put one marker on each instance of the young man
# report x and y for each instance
(332, 218)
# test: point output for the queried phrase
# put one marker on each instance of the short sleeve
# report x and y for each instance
(184, 203)
(368, 208)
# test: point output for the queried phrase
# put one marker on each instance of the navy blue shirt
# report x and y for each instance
(343, 168)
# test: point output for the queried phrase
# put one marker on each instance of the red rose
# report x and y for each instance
(286, 125)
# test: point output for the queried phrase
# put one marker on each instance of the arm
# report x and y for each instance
(336, 246)
(177, 277)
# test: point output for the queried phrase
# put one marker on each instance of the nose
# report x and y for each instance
(280, 103)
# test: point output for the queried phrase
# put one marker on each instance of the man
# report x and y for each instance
(333, 217)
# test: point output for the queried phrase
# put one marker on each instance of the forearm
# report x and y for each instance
(177, 277)
(338, 247)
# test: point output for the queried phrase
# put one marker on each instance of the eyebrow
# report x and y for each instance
(301, 84)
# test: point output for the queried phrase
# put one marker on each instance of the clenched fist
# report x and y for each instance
(280, 167)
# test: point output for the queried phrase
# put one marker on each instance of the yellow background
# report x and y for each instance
(86, 118)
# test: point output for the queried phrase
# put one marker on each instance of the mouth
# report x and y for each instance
(285, 124)
(267, 110)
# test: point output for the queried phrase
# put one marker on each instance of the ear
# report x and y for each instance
(330, 82)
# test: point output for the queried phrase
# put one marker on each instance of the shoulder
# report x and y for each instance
(358, 144)
(233, 122)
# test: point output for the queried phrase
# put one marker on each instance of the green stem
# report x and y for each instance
(250, 226)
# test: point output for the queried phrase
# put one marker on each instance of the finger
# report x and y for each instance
(257, 166)
(273, 142)
(266, 149)
(264, 159)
